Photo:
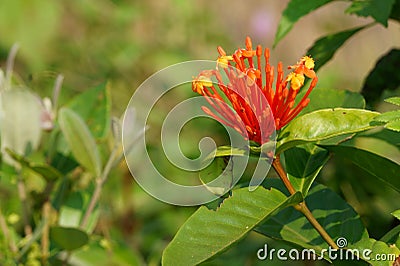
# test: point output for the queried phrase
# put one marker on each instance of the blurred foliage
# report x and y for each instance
(121, 43)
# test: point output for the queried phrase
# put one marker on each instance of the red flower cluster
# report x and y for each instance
(249, 93)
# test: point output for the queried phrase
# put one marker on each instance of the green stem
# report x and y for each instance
(100, 181)
(34, 237)
(46, 209)
(24, 203)
(302, 206)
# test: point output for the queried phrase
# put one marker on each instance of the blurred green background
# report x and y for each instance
(124, 42)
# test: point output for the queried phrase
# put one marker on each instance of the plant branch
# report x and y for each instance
(24, 204)
(282, 174)
(100, 181)
(56, 92)
(34, 237)
(302, 206)
(45, 234)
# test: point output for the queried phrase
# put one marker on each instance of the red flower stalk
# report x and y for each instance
(248, 92)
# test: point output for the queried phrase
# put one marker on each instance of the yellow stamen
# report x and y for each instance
(223, 61)
(201, 81)
(296, 80)
(308, 62)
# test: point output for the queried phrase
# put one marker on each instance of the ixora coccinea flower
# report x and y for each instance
(249, 90)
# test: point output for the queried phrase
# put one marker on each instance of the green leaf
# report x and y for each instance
(392, 120)
(324, 48)
(303, 163)
(68, 238)
(223, 151)
(46, 171)
(207, 233)
(72, 210)
(378, 9)
(80, 140)
(323, 98)
(393, 100)
(388, 171)
(380, 248)
(293, 12)
(388, 116)
(94, 106)
(222, 169)
(378, 251)
(393, 125)
(255, 151)
(385, 135)
(332, 212)
(323, 124)
(396, 214)
(392, 236)
(59, 152)
(384, 76)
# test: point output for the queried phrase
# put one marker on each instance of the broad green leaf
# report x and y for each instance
(388, 171)
(223, 151)
(375, 145)
(324, 48)
(380, 10)
(207, 233)
(293, 12)
(256, 151)
(322, 98)
(219, 179)
(332, 212)
(393, 100)
(46, 171)
(391, 120)
(323, 124)
(68, 238)
(222, 168)
(396, 214)
(60, 153)
(303, 163)
(384, 76)
(393, 125)
(73, 209)
(20, 128)
(388, 116)
(80, 140)
(385, 135)
(380, 253)
(94, 106)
